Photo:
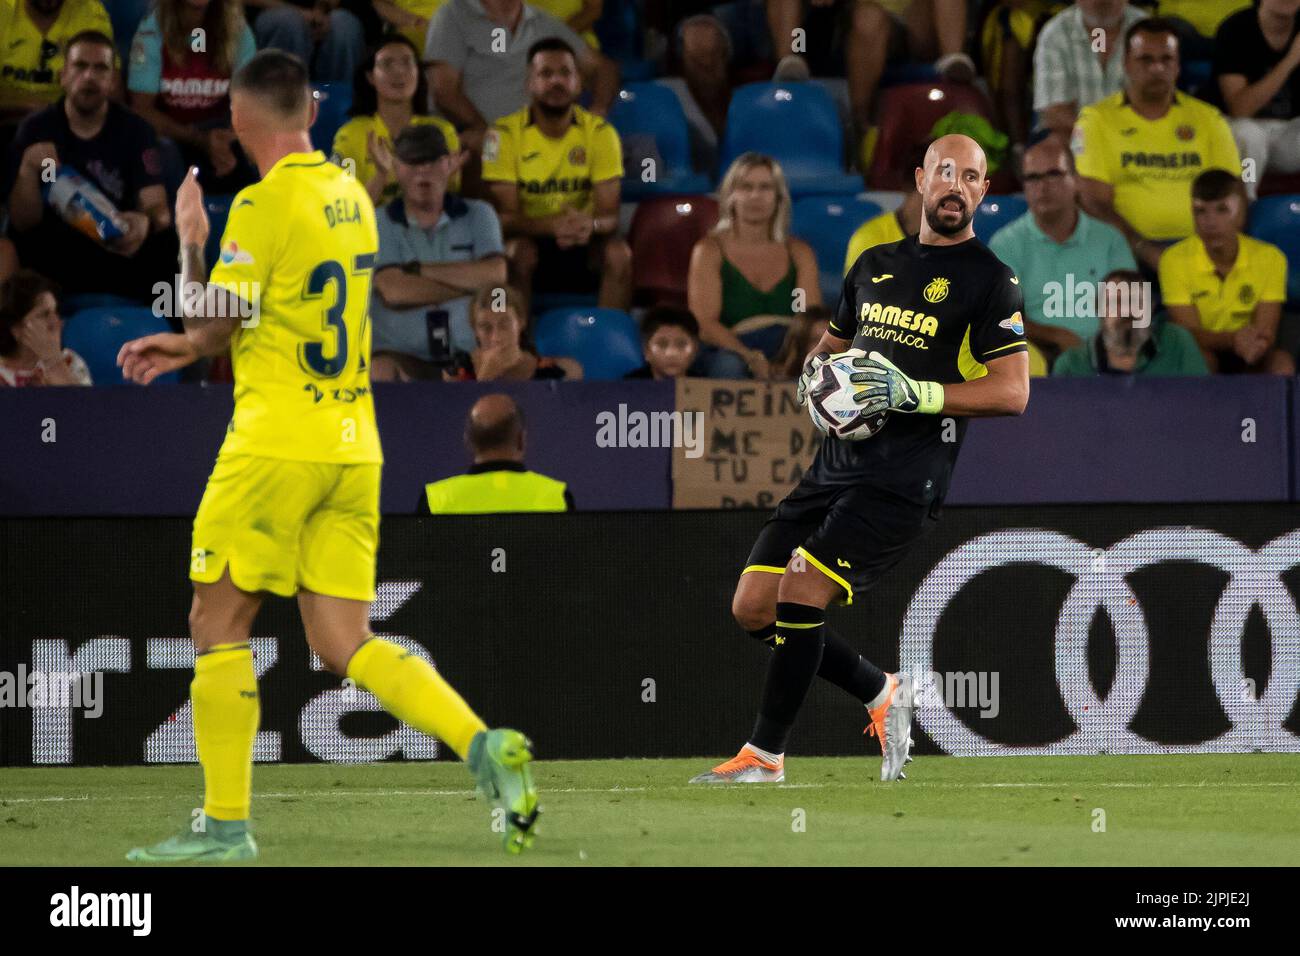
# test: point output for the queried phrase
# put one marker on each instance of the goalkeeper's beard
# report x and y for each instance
(945, 228)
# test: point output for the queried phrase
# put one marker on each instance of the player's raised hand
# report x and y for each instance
(191, 216)
(143, 360)
(889, 388)
(810, 368)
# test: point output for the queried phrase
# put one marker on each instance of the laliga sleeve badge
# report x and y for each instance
(491, 146)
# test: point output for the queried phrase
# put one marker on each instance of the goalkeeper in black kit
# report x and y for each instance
(941, 320)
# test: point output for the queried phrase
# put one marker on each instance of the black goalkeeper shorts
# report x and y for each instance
(851, 533)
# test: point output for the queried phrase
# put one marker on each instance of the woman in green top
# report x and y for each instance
(748, 275)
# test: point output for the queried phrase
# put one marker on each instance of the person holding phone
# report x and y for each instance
(435, 251)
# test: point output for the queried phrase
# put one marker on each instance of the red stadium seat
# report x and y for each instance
(907, 114)
(663, 231)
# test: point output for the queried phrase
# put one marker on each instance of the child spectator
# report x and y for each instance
(1225, 287)
(670, 340)
(31, 347)
(389, 96)
(499, 328)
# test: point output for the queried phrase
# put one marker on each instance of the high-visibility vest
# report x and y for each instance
(495, 492)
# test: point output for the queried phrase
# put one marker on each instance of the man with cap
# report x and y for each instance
(435, 250)
(497, 482)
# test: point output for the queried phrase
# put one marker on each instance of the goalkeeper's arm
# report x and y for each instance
(1003, 391)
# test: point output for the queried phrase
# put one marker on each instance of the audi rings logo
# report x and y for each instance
(1100, 586)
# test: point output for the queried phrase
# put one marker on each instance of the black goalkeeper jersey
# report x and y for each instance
(938, 313)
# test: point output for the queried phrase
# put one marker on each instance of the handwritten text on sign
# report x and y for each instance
(758, 443)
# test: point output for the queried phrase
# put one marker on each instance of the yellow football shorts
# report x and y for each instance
(284, 525)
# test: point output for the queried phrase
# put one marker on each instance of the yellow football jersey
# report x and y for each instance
(301, 245)
(1188, 277)
(1151, 163)
(29, 60)
(875, 231)
(552, 173)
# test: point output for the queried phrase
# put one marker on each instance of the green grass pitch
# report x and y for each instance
(1191, 810)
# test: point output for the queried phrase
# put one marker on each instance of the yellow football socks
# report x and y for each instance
(226, 714)
(413, 692)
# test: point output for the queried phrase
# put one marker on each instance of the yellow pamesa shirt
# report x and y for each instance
(552, 173)
(1187, 277)
(1151, 163)
(876, 231)
(29, 61)
(301, 245)
(352, 145)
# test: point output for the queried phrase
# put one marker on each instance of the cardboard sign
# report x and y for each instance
(757, 444)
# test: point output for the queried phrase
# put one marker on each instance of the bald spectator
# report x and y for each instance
(1055, 249)
(1072, 69)
(1139, 150)
(497, 482)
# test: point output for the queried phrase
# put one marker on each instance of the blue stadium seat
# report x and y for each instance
(652, 125)
(1276, 219)
(218, 213)
(827, 223)
(333, 102)
(799, 125)
(605, 341)
(995, 212)
(125, 17)
(97, 335)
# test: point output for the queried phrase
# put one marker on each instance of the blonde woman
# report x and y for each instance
(749, 275)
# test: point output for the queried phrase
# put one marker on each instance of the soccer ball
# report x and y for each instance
(830, 400)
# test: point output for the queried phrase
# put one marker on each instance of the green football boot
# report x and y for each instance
(223, 841)
(499, 760)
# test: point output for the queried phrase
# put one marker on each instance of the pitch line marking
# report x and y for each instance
(941, 785)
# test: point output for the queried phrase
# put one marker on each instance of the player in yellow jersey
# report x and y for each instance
(292, 506)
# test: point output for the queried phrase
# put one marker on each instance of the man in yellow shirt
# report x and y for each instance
(1138, 151)
(891, 226)
(497, 482)
(292, 506)
(1225, 287)
(555, 174)
(34, 37)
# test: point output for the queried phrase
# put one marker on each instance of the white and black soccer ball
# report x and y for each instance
(830, 400)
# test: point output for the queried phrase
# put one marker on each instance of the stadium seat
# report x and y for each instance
(605, 341)
(797, 124)
(907, 114)
(663, 231)
(622, 36)
(652, 125)
(1276, 219)
(995, 212)
(97, 335)
(218, 213)
(333, 100)
(827, 223)
(125, 17)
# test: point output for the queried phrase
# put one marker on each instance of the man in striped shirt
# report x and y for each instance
(1079, 60)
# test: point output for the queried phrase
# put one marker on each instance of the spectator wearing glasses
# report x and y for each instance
(1055, 244)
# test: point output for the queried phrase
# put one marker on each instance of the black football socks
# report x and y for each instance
(800, 635)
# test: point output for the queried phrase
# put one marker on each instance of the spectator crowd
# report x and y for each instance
(1140, 148)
